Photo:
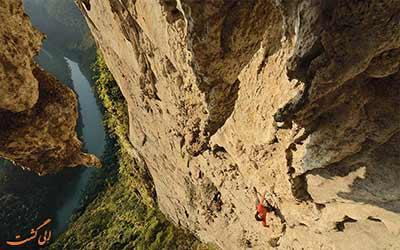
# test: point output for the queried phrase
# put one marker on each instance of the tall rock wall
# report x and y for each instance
(299, 98)
(37, 113)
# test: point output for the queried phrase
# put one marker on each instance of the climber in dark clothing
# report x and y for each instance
(216, 202)
(262, 206)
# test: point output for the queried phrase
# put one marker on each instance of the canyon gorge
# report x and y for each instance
(297, 98)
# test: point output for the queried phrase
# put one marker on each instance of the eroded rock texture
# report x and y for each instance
(19, 43)
(299, 98)
(37, 113)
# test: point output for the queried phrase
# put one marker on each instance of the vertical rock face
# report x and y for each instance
(37, 113)
(299, 98)
(19, 88)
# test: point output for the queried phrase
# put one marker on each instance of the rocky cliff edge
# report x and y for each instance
(299, 98)
(37, 113)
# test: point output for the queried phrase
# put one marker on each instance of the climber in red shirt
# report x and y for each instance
(262, 207)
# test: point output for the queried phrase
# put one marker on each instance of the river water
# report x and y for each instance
(26, 199)
(93, 136)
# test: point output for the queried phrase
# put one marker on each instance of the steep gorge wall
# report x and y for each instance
(299, 98)
(37, 113)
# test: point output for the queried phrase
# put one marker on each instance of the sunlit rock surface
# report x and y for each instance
(300, 98)
(19, 43)
(37, 113)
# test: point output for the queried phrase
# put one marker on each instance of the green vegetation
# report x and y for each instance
(27, 199)
(116, 212)
(66, 31)
(67, 35)
(117, 219)
(116, 120)
(115, 107)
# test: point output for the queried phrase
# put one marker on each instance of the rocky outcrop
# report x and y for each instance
(299, 98)
(37, 113)
(18, 89)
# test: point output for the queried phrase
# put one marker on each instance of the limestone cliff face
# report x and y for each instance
(37, 113)
(300, 98)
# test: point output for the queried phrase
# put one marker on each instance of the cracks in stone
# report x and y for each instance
(200, 175)
(298, 183)
(319, 206)
(299, 68)
(300, 65)
(274, 140)
(181, 142)
(351, 161)
(268, 50)
(129, 27)
(84, 11)
(300, 188)
(264, 61)
(221, 101)
(384, 64)
(133, 33)
(86, 3)
(374, 219)
(190, 191)
(219, 58)
(378, 185)
(186, 213)
(287, 112)
(147, 80)
(217, 148)
(341, 225)
(171, 11)
(144, 140)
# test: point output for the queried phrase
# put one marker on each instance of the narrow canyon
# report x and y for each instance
(297, 98)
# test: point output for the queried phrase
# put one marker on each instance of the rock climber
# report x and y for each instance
(214, 206)
(262, 206)
(216, 203)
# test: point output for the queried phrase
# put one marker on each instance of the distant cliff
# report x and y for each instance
(37, 113)
(299, 98)
(62, 23)
(67, 34)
